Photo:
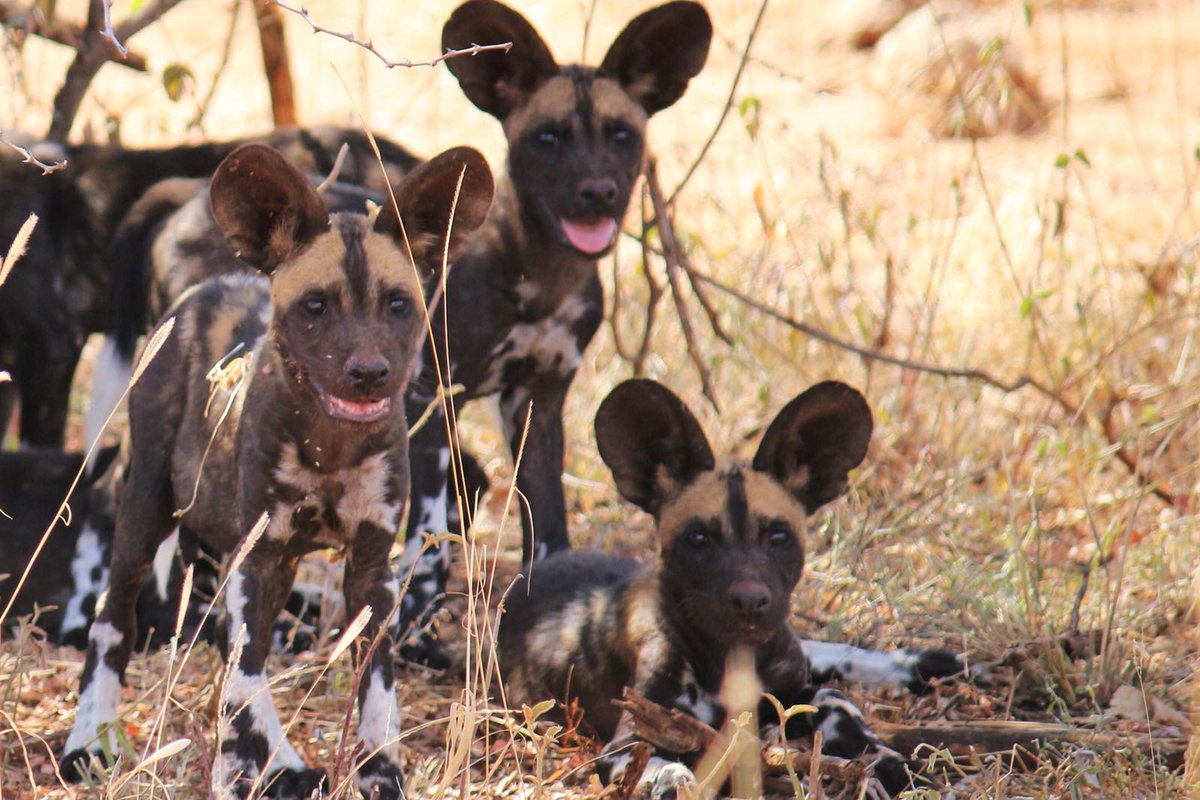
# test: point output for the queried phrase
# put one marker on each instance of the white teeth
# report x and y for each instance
(358, 412)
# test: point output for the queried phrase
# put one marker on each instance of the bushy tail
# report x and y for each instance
(129, 302)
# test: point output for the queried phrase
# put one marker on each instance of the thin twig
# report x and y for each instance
(108, 34)
(226, 51)
(673, 256)
(30, 158)
(473, 50)
(737, 78)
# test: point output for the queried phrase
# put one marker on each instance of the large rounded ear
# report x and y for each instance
(425, 199)
(265, 207)
(659, 52)
(495, 81)
(651, 442)
(815, 441)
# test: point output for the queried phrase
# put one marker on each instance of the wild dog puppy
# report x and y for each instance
(524, 299)
(314, 446)
(731, 540)
(62, 292)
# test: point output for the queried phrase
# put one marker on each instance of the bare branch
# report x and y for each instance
(34, 23)
(673, 255)
(30, 158)
(94, 50)
(369, 46)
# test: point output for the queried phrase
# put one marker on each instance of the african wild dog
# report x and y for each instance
(731, 539)
(524, 299)
(60, 292)
(315, 443)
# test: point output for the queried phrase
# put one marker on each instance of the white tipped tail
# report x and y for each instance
(110, 376)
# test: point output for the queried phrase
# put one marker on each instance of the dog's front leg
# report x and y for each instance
(254, 748)
(539, 475)
(368, 582)
(845, 733)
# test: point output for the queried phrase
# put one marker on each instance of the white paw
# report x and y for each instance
(661, 779)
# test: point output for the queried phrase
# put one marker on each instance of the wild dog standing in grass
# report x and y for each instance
(315, 441)
(731, 541)
(524, 299)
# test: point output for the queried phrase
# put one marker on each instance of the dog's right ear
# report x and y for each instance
(267, 209)
(425, 199)
(496, 81)
(651, 442)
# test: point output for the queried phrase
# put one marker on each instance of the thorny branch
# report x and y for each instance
(369, 46)
(30, 158)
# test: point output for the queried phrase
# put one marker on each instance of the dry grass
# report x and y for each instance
(1069, 256)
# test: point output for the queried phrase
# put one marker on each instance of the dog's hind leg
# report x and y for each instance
(143, 522)
(425, 565)
(899, 668)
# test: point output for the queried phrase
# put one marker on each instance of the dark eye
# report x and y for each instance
(621, 135)
(398, 305)
(697, 536)
(780, 536)
(314, 304)
(547, 138)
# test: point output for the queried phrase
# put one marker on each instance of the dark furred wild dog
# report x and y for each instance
(524, 300)
(731, 537)
(315, 443)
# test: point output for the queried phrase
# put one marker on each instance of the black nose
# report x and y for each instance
(367, 374)
(750, 598)
(598, 191)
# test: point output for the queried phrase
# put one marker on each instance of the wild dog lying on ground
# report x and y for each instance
(731, 540)
(60, 291)
(313, 453)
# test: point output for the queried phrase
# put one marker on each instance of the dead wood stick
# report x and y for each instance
(32, 22)
(275, 62)
(672, 254)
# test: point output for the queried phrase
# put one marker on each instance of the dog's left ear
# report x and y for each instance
(265, 207)
(815, 441)
(426, 198)
(659, 51)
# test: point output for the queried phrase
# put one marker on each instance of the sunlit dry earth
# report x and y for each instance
(985, 518)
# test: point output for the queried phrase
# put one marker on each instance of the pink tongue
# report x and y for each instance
(590, 237)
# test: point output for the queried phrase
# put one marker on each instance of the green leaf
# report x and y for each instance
(1082, 157)
(1062, 160)
(1026, 307)
(749, 110)
(176, 78)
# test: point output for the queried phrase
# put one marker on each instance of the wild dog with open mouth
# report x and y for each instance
(731, 539)
(525, 299)
(61, 293)
(315, 441)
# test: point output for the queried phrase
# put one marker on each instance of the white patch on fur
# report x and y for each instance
(896, 668)
(379, 718)
(662, 776)
(98, 702)
(435, 511)
(88, 556)
(549, 342)
(837, 709)
(164, 559)
(694, 700)
(252, 692)
(363, 491)
(110, 376)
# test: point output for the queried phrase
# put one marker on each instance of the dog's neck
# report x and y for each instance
(516, 238)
